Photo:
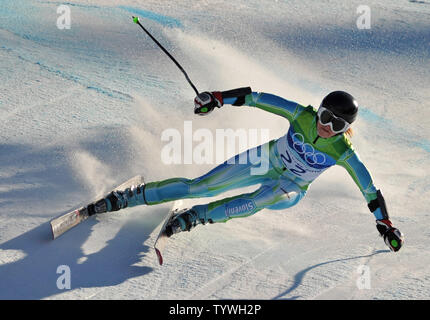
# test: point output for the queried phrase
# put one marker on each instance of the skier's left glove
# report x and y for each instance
(393, 238)
(206, 102)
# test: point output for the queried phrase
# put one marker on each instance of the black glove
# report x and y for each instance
(393, 238)
(206, 102)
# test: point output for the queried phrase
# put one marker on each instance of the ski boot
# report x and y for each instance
(117, 200)
(184, 220)
(112, 202)
(99, 206)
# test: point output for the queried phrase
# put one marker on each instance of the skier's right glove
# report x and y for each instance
(393, 238)
(206, 102)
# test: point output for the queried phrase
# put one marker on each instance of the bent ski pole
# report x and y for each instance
(136, 20)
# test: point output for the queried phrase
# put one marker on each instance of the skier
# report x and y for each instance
(316, 140)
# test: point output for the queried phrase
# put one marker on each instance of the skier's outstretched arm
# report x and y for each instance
(375, 200)
(207, 101)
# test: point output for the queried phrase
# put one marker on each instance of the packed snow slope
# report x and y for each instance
(84, 109)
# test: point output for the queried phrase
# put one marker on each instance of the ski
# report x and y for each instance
(71, 219)
(161, 240)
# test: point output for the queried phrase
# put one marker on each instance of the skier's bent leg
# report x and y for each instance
(276, 196)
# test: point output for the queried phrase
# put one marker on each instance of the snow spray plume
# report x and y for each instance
(94, 174)
(136, 20)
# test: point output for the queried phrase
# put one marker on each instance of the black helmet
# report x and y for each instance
(342, 104)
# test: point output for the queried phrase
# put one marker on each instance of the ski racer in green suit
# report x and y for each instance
(316, 140)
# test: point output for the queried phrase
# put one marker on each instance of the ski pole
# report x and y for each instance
(136, 20)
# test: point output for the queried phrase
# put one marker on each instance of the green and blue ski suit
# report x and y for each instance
(295, 160)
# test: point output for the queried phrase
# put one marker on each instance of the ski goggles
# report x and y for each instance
(326, 117)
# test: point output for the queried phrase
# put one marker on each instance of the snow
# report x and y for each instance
(83, 110)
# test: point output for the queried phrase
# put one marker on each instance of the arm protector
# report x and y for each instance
(379, 203)
(236, 97)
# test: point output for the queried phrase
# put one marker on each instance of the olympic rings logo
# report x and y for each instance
(307, 150)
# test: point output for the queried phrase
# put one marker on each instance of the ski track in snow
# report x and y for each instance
(91, 103)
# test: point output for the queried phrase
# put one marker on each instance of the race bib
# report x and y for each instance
(301, 158)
